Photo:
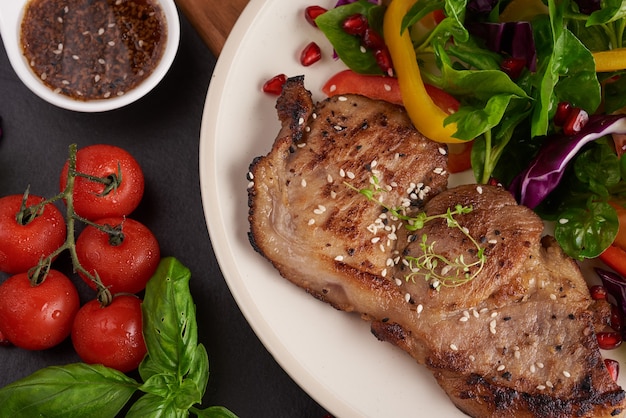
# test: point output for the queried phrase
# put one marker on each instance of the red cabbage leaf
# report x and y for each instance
(545, 171)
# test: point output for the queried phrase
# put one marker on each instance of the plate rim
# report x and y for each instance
(209, 126)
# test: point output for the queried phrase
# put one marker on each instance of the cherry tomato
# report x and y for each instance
(124, 264)
(41, 316)
(94, 200)
(110, 335)
(23, 243)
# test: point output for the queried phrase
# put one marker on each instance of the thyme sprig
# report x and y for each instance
(438, 270)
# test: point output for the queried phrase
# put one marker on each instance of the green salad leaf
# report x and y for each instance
(584, 232)
(508, 114)
(348, 47)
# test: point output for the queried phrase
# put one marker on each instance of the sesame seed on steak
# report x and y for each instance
(510, 334)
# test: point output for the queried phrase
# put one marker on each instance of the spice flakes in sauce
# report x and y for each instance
(93, 49)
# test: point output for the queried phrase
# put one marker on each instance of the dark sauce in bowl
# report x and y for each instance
(93, 49)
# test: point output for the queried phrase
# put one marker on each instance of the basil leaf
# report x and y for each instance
(160, 384)
(74, 390)
(585, 232)
(169, 315)
(348, 47)
(199, 371)
(176, 369)
(149, 368)
(184, 392)
(153, 406)
(214, 412)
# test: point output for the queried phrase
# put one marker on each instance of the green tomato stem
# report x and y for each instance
(38, 273)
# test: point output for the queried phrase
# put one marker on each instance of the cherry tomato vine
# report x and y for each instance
(68, 194)
(114, 254)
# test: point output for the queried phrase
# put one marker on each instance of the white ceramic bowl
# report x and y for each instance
(11, 13)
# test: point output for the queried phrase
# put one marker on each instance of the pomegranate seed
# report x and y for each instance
(383, 59)
(513, 67)
(494, 182)
(275, 84)
(312, 12)
(310, 54)
(609, 340)
(372, 40)
(355, 25)
(597, 292)
(575, 121)
(563, 110)
(616, 318)
(613, 368)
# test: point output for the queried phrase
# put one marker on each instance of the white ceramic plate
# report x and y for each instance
(330, 354)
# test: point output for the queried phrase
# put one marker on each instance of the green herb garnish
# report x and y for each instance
(436, 269)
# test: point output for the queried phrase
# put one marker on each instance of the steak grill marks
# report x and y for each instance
(517, 340)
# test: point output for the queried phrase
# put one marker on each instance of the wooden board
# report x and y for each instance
(213, 19)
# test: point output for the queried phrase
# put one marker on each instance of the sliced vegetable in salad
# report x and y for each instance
(541, 86)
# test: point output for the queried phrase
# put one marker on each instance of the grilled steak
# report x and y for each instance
(351, 205)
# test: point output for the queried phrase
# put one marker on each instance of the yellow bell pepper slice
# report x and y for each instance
(611, 60)
(424, 113)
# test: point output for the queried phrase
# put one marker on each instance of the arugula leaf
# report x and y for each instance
(348, 47)
(75, 390)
